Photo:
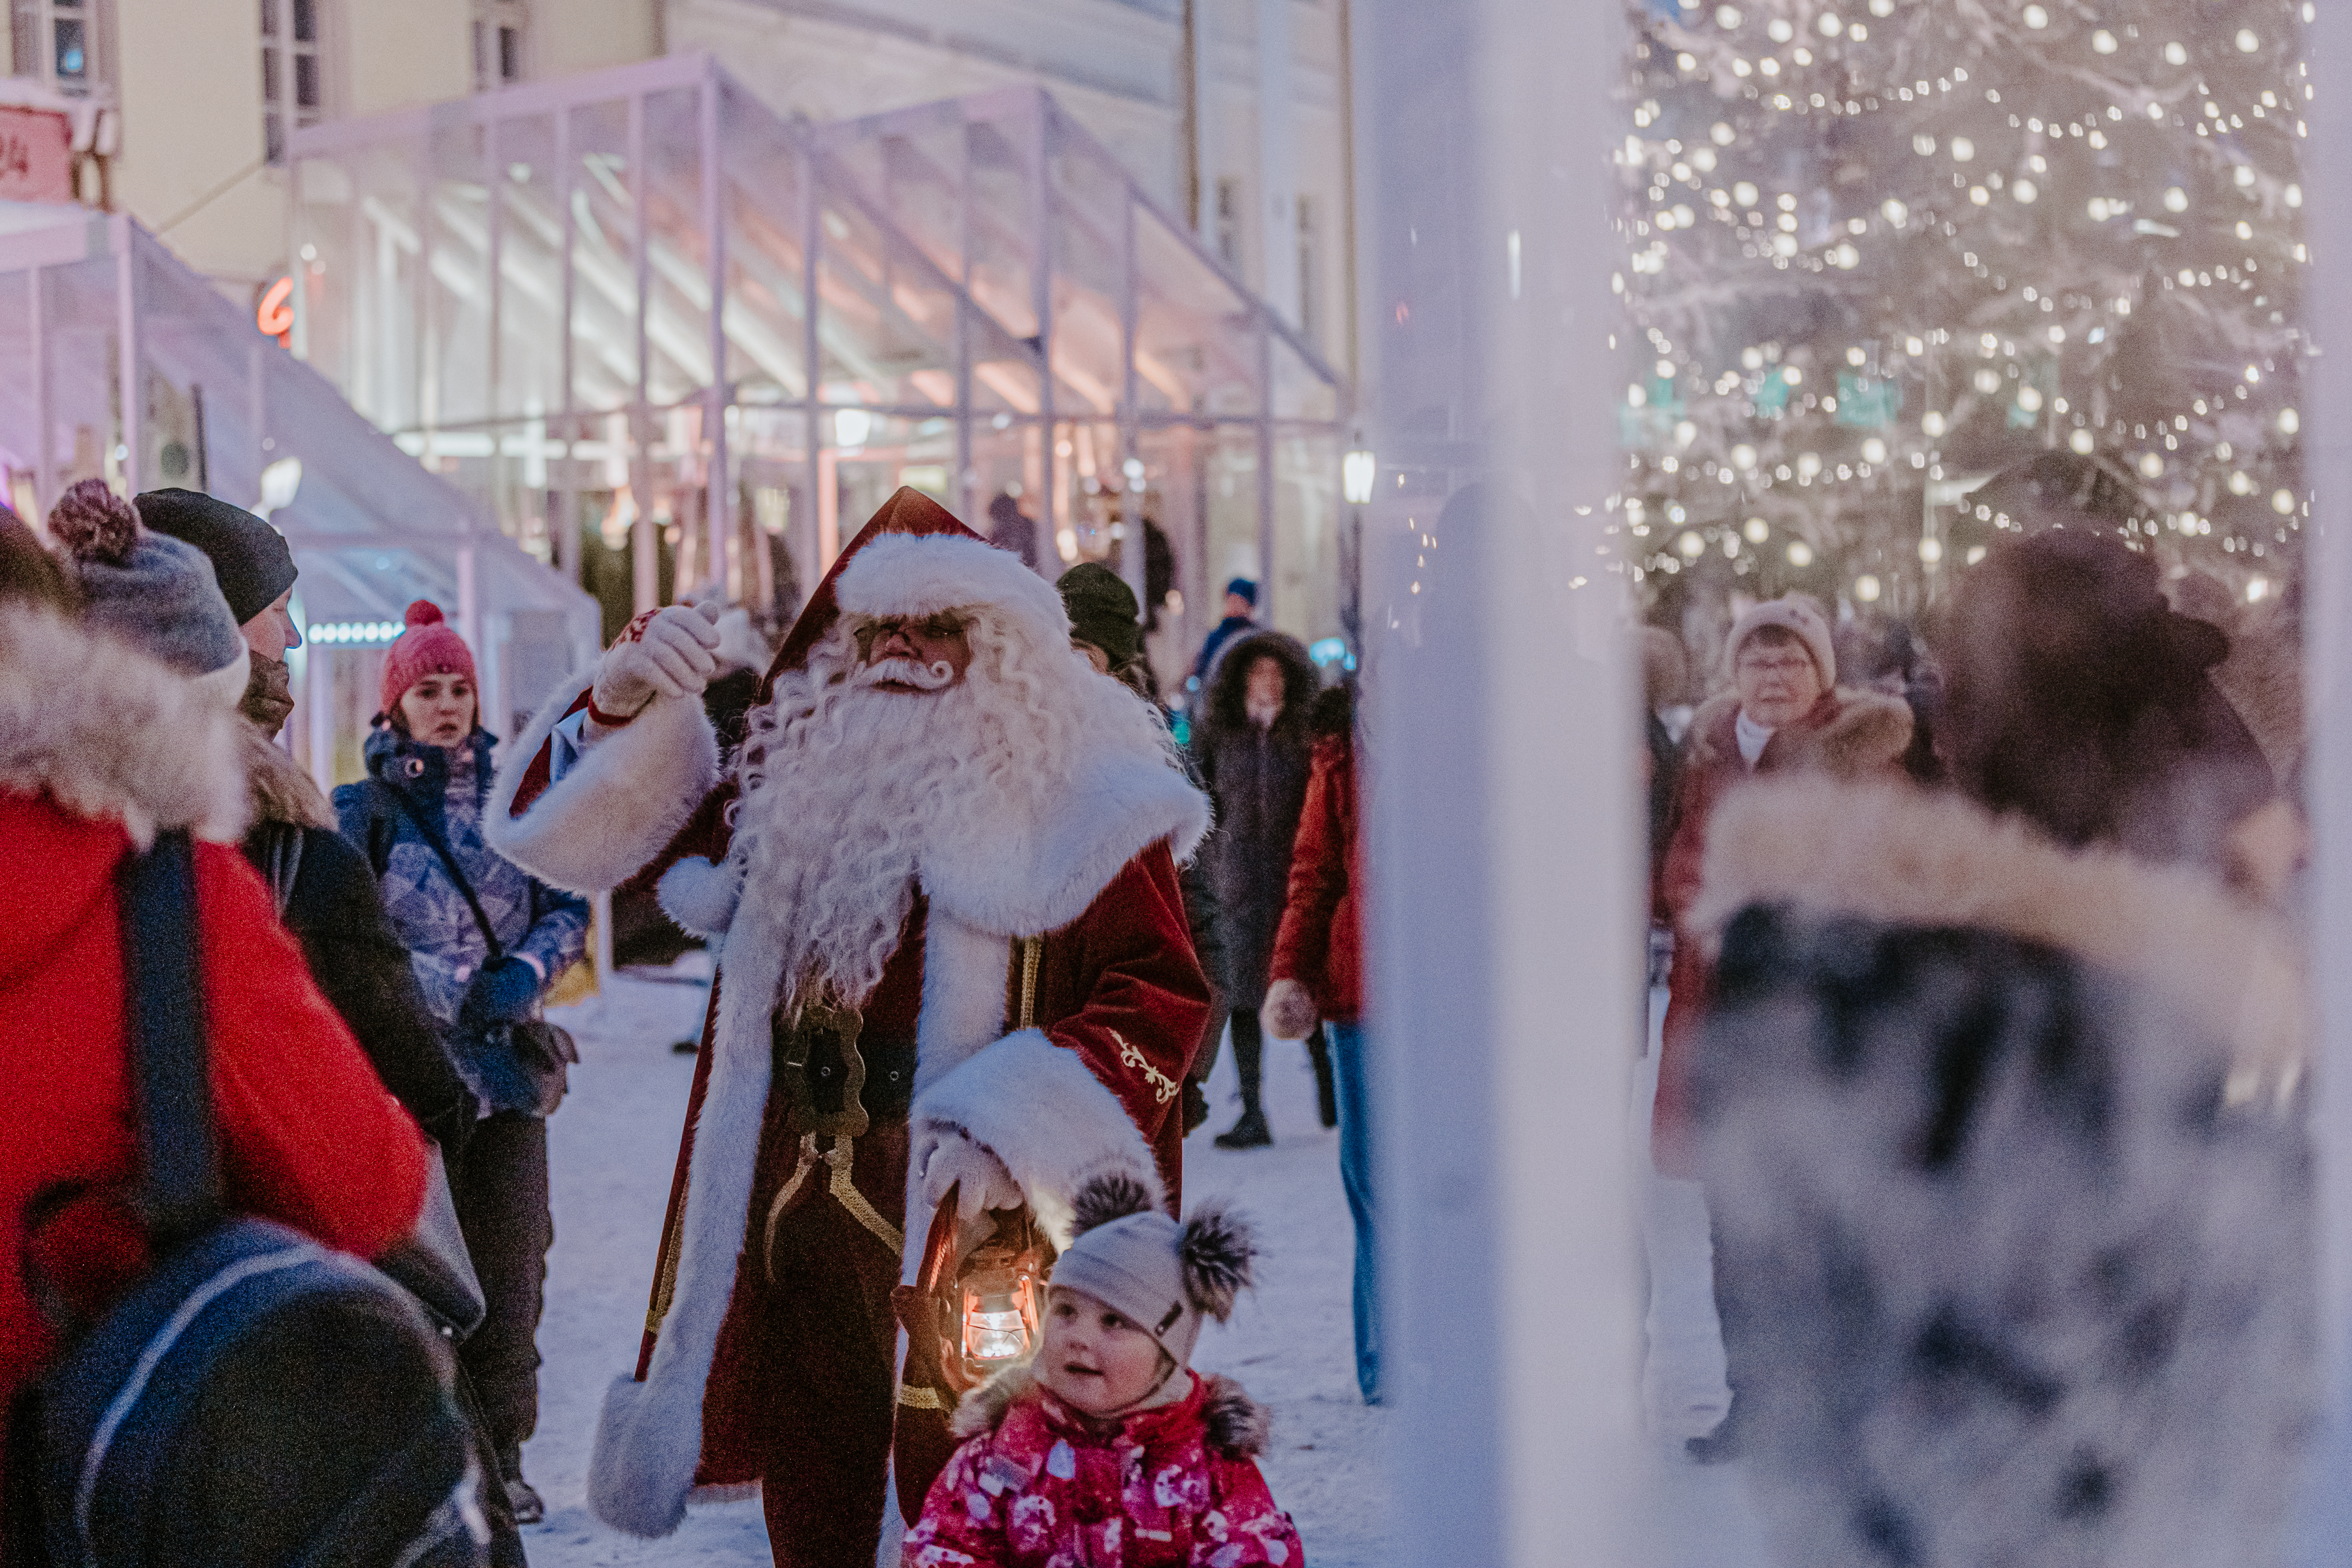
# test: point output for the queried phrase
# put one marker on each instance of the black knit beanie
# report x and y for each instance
(1102, 611)
(249, 558)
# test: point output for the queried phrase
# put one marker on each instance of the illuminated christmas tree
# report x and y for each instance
(1879, 253)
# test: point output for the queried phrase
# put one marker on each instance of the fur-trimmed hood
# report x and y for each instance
(281, 791)
(1238, 1425)
(110, 734)
(1849, 732)
(1889, 853)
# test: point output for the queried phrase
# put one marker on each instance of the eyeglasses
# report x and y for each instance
(931, 628)
(1765, 664)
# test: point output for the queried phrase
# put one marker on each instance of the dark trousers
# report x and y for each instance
(1249, 1054)
(1357, 1144)
(500, 1190)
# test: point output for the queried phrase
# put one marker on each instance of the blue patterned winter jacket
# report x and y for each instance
(449, 787)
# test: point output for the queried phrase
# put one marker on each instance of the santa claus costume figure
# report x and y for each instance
(941, 880)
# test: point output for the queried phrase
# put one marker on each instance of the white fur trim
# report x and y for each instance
(965, 972)
(1043, 879)
(649, 1442)
(921, 575)
(111, 733)
(618, 804)
(701, 897)
(226, 686)
(1038, 1108)
(1889, 853)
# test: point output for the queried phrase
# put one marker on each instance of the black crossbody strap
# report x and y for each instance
(163, 1014)
(449, 863)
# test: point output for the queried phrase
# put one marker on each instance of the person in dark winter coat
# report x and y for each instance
(1104, 1446)
(2006, 1086)
(325, 893)
(100, 747)
(1252, 751)
(1105, 632)
(429, 772)
(1318, 974)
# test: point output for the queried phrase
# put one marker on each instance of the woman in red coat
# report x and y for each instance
(1318, 973)
(100, 748)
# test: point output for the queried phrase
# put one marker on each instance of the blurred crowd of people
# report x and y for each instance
(1980, 1225)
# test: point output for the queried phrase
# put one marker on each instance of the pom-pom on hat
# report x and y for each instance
(1160, 1276)
(430, 646)
(1794, 614)
(148, 589)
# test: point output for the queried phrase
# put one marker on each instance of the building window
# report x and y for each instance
(1229, 222)
(499, 28)
(1310, 274)
(56, 41)
(293, 74)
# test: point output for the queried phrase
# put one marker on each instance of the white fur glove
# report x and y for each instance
(1289, 1011)
(668, 652)
(986, 1184)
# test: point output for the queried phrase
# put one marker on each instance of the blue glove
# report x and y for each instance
(501, 992)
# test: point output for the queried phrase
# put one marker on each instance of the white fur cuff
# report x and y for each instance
(701, 897)
(646, 1450)
(618, 803)
(1038, 1108)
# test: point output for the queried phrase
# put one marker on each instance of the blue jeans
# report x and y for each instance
(1351, 1073)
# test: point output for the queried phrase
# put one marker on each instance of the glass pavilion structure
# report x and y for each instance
(92, 304)
(674, 342)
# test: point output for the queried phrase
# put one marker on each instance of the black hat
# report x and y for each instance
(249, 558)
(1102, 611)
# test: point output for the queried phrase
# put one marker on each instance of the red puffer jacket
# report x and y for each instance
(1037, 1485)
(1322, 941)
(307, 1136)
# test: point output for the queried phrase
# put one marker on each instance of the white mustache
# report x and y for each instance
(911, 672)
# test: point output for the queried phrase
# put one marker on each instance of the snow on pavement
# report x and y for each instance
(612, 1148)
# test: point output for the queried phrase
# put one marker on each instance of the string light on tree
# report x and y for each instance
(2092, 243)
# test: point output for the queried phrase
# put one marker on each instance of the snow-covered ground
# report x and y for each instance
(612, 1146)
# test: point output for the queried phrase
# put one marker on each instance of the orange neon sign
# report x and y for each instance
(275, 315)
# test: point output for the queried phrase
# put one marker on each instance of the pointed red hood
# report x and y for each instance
(908, 511)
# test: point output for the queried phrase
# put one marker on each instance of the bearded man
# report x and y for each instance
(952, 956)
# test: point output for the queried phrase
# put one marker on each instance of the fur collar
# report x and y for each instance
(110, 734)
(1887, 852)
(1849, 733)
(281, 791)
(1238, 1425)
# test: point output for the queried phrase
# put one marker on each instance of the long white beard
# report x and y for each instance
(843, 787)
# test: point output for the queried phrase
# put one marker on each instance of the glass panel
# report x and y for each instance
(306, 21)
(888, 452)
(887, 325)
(1175, 545)
(765, 275)
(1231, 504)
(272, 88)
(605, 289)
(1300, 391)
(268, 19)
(1196, 340)
(457, 369)
(1004, 227)
(1306, 578)
(677, 327)
(305, 81)
(1090, 283)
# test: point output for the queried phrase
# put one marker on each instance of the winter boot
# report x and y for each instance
(1249, 1132)
(1327, 1093)
(528, 1507)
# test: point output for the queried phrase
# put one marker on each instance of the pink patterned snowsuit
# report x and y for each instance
(1040, 1486)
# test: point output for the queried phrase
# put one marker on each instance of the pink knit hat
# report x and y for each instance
(1794, 614)
(430, 646)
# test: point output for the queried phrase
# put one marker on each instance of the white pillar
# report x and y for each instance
(1507, 954)
(2327, 648)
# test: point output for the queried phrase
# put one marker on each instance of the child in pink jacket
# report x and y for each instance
(1106, 1449)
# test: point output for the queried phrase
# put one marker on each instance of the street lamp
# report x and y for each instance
(1357, 472)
